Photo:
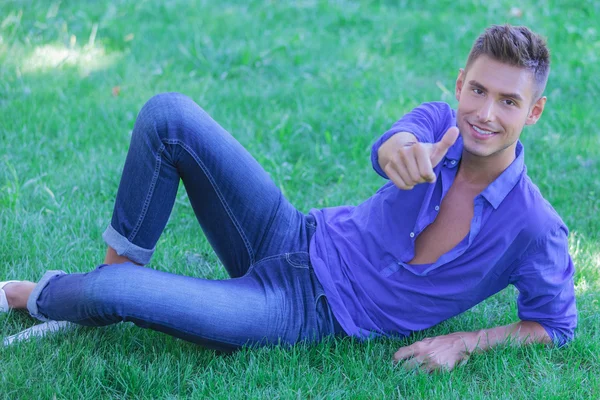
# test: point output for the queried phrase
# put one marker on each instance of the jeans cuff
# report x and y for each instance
(33, 297)
(125, 248)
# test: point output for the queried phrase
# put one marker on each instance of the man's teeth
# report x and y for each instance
(481, 131)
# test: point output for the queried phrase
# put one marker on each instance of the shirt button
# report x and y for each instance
(412, 234)
(437, 208)
(453, 162)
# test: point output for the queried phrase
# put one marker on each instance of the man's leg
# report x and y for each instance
(112, 257)
(17, 294)
(242, 212)
(278, 301)
(246, 219)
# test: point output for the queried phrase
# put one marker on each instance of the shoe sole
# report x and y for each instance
(40, 330)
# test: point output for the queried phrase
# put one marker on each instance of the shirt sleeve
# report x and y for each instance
(544, 279)
(428, 122)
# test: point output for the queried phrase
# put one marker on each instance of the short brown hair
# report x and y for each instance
(517, 46)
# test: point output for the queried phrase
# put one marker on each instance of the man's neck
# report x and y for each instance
(481, 171)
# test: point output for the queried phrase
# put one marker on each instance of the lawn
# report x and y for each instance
(307, 87)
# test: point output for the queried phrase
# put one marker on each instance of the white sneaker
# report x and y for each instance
(3, 300)
(40, 330)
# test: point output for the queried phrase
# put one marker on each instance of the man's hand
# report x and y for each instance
(407, 162)
(447, 351)
(440, 352)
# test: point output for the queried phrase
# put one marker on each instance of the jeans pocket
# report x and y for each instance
(329, 324)
(299, 259)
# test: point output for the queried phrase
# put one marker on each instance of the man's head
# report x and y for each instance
(500, 89)
(516, 46)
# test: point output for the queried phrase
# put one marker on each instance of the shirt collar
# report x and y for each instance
(496, 191)
(502, 185)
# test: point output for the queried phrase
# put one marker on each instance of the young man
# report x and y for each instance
(458, 221)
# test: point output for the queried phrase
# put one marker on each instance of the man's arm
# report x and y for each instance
(544, 279)
(426, 123)
(407, 162)
(448, 351)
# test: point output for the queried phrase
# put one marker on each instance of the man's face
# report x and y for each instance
(495, 102)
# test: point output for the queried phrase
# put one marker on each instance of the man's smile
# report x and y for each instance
(482, 132)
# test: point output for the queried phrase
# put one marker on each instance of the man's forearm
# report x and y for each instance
(523, 332)
(447, 351)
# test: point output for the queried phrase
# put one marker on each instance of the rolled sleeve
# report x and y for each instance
(428, 122)
(544, 279)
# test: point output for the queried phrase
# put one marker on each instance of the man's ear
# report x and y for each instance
(459, 83)
(536, 111)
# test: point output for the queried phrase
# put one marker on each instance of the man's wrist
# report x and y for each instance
(482, 340)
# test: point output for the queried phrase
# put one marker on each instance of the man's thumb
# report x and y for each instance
(441, 148)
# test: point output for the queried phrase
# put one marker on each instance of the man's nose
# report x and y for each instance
(486, 111)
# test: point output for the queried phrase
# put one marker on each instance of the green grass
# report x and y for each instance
(306, 87)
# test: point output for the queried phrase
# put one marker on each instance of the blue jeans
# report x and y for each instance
(261, 239)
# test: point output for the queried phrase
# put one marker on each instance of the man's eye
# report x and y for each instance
(509, 102)
(478, 91)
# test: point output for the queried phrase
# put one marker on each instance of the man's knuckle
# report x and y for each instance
(402, 153)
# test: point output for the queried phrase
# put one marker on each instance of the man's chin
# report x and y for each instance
(474, 152)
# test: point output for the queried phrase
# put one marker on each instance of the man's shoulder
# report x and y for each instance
(437, 108)
(526, 223)
(537, 214)
(428, 121)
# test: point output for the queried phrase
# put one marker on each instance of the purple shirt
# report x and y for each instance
(360, 253)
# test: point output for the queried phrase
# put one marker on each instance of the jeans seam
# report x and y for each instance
(217, 339)
(271, 220)
(259, 262)
(149, 195)
(216, 189)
